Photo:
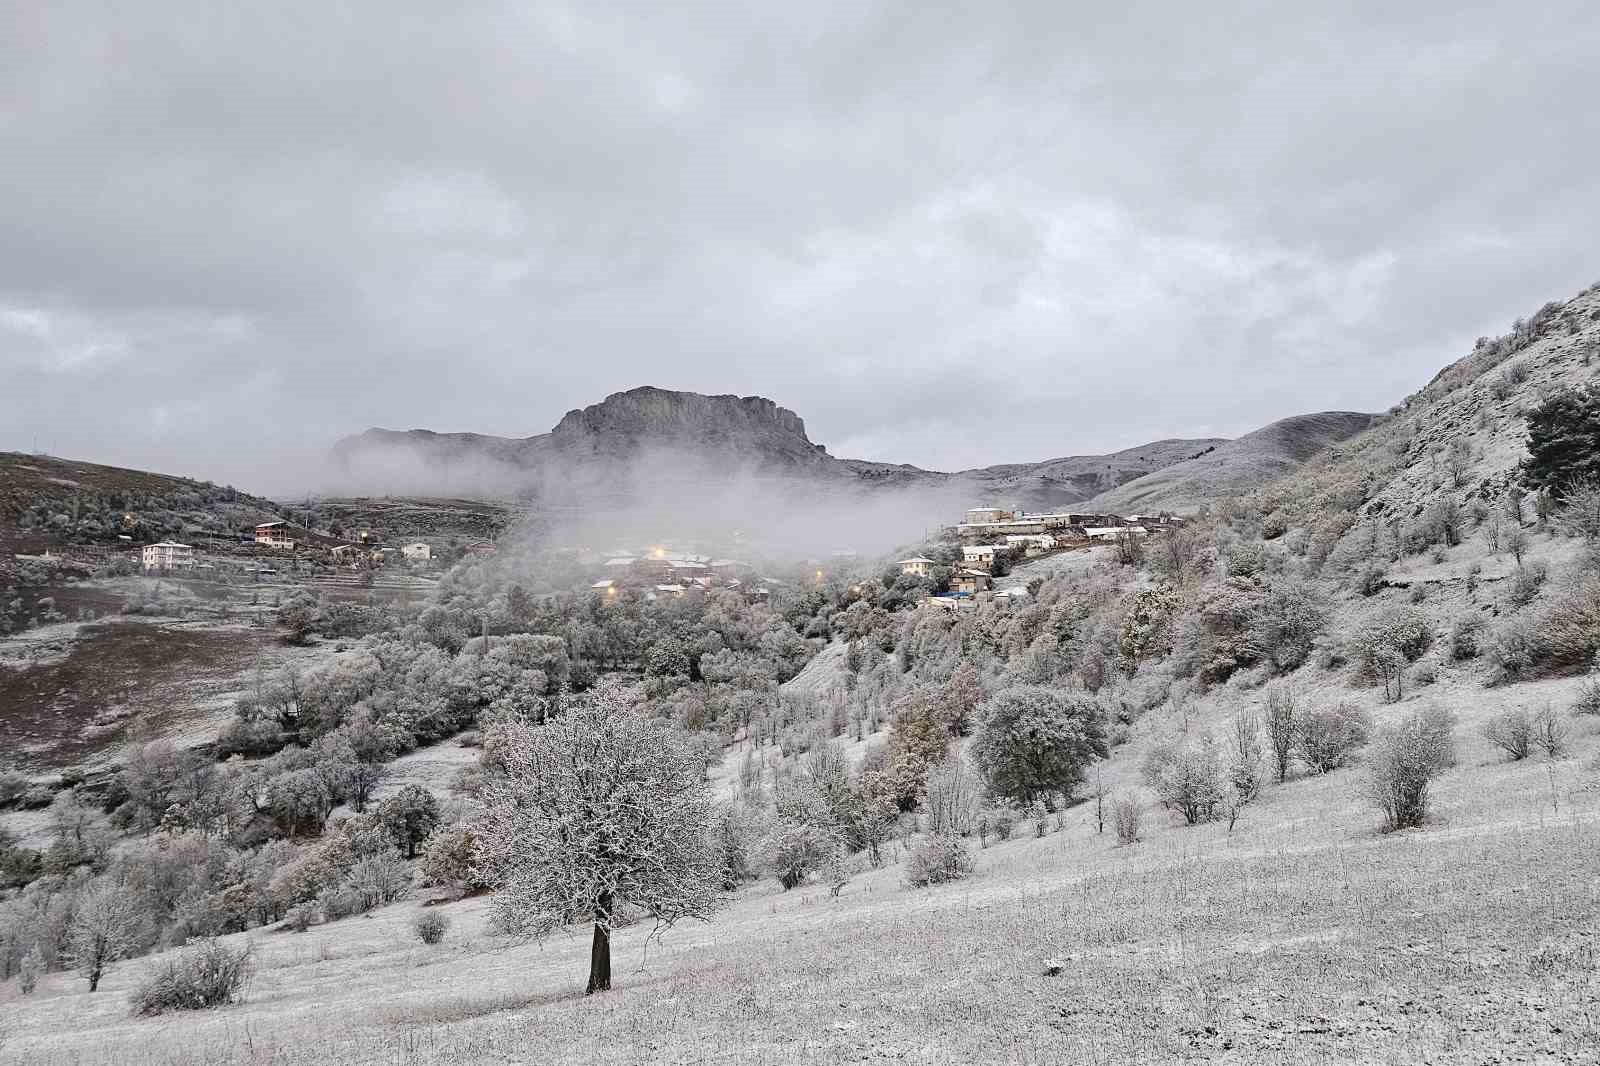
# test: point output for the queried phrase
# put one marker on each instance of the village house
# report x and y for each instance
(1031, 543)
(275, 535)
(1113, 532)
(979, 555)
(918, 567)
(480, 548)
(417, 553)
(969, 582)
(345, 553)
(168, 555)
(988, 515)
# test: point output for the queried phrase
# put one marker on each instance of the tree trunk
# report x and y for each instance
(94, 977)
(600, 951)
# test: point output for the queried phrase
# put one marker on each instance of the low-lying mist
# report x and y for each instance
(718, 502)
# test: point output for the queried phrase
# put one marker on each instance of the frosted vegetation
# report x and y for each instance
(1415, 608)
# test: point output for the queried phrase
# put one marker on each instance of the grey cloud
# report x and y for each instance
(944, 234)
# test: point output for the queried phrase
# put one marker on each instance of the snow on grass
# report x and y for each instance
(1304, 935)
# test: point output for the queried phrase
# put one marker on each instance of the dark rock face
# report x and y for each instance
(752, 429)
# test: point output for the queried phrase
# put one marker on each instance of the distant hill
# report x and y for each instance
(1234, 467)
(88, 502)
(600, 449)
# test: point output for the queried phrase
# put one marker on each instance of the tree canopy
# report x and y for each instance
(1033, 741)
(599, 807)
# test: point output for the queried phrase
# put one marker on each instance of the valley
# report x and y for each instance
(1037, 764)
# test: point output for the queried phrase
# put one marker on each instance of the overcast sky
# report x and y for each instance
(947, 235)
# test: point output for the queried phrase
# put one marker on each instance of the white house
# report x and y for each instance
(168, 555)
(1031, 543)
(417, 553)
(1112, 532)
(979, 555)
(918, 567)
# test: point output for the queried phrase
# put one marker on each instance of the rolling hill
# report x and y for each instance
(1235, 466)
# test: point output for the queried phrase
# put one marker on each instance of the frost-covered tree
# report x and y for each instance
(1034, 741)
(104, 929)
(598, 808)
(410, 816)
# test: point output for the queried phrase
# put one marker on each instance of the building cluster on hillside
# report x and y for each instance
(365, 549)
(1061, 528)
(663, 573)
(989, 533)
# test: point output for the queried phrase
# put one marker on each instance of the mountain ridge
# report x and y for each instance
(750, 434)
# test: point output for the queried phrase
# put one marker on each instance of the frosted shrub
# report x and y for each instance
(1187, 777)
(210, 975)
(1404, 759)
(1001, 820)
(1588, 700)
(1550, 733)
(1125, 812)
(1466, 637)
(1040, 818)
(28, 971)
(1328, 736)
(1511, 732)
(952, 798)
(1526, 583)
(1513, 649)
(938, 859)
(795, 851)
(431, 926)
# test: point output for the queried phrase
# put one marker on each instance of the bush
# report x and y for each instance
(209, 975)
(1569, 628)
(1512, 733)
(1588, 701)
(938, 859)
(1525, 584)
(1000, 820)
(1283, 726)
(952, 797)
(1327, 737)
(1125, 813)
(794, 851)
(1187, 777)
(1466, 637)
(1403, 760)
(28, 971)
(1550, 733)
(1513, 648)
(431, 926)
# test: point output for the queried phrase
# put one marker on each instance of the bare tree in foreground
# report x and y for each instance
(598, 808)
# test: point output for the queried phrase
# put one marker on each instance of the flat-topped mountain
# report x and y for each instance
(686, 434)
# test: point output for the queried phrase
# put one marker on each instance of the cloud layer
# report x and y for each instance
(944, 234)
